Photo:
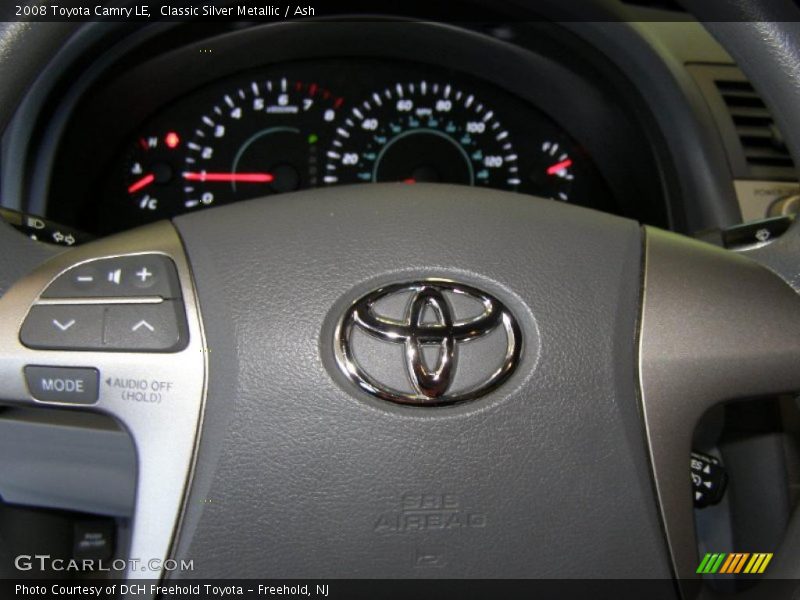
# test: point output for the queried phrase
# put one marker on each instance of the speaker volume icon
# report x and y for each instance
(115, 276)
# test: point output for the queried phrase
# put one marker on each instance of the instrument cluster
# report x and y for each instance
(309, 124)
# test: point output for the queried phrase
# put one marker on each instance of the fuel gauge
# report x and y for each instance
(553, 172)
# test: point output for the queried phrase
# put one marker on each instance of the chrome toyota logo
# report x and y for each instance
(428, 342)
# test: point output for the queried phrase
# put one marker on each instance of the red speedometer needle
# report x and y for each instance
(242, 177)
(559, 166)
(143, 182)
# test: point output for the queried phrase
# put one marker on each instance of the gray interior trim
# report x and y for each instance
(755, 197)
(715, 326)
(50, 461)
(659, 73)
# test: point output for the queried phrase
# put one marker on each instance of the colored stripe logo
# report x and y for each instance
(734, 563)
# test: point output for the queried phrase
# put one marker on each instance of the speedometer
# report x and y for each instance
(422, 132)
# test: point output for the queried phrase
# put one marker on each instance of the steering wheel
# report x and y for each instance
(326, 404)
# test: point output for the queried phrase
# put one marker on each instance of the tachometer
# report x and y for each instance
(422, 131)
(259, 139)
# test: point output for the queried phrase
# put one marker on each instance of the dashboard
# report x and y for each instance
(310, 124)
(207, 120)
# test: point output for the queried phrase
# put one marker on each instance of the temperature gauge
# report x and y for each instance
(150, 172)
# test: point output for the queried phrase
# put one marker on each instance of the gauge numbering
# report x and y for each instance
(422, 132)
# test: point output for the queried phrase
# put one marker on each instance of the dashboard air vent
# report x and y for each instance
(762, 143)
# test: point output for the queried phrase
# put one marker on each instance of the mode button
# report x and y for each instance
(73, 385)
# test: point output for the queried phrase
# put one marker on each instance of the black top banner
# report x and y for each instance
(486, 11)
(144, 11)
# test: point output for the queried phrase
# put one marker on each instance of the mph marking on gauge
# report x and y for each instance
(423, 132)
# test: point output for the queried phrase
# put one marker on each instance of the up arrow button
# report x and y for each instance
(145, 327)
(141, 324)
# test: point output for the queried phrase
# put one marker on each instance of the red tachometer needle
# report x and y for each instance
(559, 166)
(242, 177)
(143, 182)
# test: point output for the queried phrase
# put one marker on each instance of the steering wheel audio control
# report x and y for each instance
(69, 385)
(114, 326)
(126, 303)
(140, 327)
(118, 277)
